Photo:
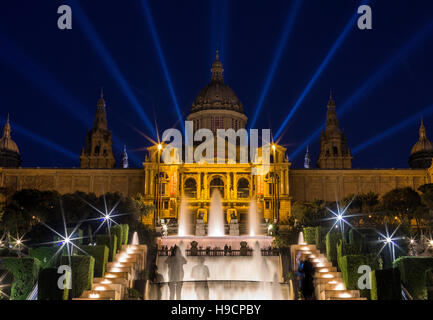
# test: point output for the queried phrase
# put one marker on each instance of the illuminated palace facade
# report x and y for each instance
(216, 107)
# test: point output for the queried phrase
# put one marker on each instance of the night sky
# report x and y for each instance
(50, 79)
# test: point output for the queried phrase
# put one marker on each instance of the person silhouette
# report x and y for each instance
(158, 281)
(307, 269)
(200, 273)
(175, 264)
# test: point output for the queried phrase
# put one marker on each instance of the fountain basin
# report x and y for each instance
(206, 241)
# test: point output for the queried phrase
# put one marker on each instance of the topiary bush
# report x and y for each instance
(349, 271)
(111, 243)
(344, 249)
(310, 235)
(46, 255)
(332, 239)
(413, 272)
(319, 237)
(385, 285)
(48, 288)
(25, 272)
(100, 254)
(117, 231)
(125, 233)
(82, 273)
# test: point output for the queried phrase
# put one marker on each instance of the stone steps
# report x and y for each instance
(119, 276)
(328, 282)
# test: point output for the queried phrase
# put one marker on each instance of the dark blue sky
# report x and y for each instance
(50, 79)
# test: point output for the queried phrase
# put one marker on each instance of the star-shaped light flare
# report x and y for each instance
(389, 240)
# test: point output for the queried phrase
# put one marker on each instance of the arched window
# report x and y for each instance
(190, 188)
(335, 149)
(217, 184)
(243, 188)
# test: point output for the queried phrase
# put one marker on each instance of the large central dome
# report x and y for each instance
(217, 106)
(217, 95)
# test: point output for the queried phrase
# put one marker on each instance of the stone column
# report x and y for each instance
(199, 186)
(235, 186)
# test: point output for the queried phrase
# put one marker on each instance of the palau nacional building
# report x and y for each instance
(216, 107)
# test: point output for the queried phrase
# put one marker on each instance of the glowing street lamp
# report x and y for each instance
(389, 241)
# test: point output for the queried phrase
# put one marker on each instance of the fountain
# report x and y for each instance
(229, 276)
(253, 219)
(301, 238)
(185, 220)
(216, 216)
(135, 241)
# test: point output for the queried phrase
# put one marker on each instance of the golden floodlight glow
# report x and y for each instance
(159, 147)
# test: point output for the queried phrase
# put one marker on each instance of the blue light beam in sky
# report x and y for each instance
(350, 25)
(281, 45)
(50, 86)
(162, 61)
(394, 129)
(37, 138)
(108, 60)
(368, 85)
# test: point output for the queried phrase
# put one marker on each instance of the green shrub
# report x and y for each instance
(82, 273)
(332, 239)
(125, 233)
(100, 253)
(46, 256)
(345, 249)
(47, 286)
(310, 235)
(117, 231)
(385, 285)
(319, 236)
(25, 272)
(413, 272)
(111, 243)
(349, 271)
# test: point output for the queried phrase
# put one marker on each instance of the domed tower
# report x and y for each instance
(98, 152)
(422, 152)
(9, 153)
(217, 106)
(334, 153)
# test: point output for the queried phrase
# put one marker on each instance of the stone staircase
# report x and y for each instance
(119, 275)
(328, 282)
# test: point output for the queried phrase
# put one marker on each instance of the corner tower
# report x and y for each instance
(422, 152)
(9, 154)
(334, 153)
(98, 152)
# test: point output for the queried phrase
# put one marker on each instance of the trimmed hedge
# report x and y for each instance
(125, 233)
(45, 255)
(25, 272)
(117, 230)
(104, 240)
(349, 271)
(100, 253)
(82, 274)
(332, 239)
(315, 235)
(310, 235)
(320, 235)
(413, 272)
(344, 249)
(385, 285)
(48, 286)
